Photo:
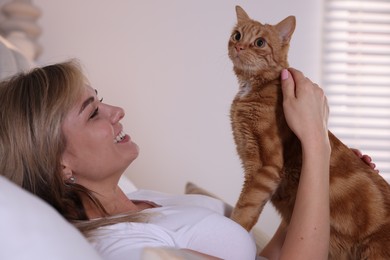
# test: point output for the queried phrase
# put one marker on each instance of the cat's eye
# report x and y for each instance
(236, 36)
(260, 42)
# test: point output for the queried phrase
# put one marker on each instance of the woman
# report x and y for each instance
(62, 143)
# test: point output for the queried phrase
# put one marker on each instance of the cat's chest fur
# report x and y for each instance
(244, 90)
(258, 100)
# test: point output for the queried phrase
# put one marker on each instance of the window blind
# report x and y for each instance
(356, 75)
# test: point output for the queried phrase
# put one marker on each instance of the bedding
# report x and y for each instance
(31, 229)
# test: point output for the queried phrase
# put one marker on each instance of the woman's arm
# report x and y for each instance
(306, 111)
(273, 247)
(297, 91)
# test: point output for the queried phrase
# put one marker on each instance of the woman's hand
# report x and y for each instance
(365, 158)
(305, 106)
(306, 112)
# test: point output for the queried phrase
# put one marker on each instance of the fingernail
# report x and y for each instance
(284, 74)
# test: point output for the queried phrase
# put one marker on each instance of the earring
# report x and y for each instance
(72, 179)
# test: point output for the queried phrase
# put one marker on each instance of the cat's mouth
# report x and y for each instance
(241, 64)
(238, 60)
(235, 54)
(247, 64)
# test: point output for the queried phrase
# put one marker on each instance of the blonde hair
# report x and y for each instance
(32, 108)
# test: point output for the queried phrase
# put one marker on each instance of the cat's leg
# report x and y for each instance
(254, 195)
(262, 177)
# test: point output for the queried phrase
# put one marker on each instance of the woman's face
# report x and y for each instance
(97, 149)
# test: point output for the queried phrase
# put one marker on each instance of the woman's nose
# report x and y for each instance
(117, 113)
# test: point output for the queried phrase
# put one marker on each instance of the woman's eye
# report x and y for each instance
(95, 113)
(260, 42)
(236, 36)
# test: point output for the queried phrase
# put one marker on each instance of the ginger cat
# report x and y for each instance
(271, 153)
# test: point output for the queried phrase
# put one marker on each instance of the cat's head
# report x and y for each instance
(259, 49)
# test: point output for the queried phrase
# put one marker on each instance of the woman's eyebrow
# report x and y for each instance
(86, 103)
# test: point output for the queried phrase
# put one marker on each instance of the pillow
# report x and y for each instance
(31, 229)
(126, 184)
(260, 237)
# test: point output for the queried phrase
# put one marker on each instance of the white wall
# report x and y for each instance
(165, 62)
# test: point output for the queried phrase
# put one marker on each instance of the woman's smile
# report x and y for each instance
(120, 137)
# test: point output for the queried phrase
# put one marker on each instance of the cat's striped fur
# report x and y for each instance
(271, 153)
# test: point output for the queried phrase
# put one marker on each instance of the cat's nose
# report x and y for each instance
(239, 47)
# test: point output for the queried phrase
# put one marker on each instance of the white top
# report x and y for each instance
(183, 221)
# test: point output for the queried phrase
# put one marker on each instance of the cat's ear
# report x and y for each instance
(241, 14)
(286, 28)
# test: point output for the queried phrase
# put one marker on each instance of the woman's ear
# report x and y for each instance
(67, 172)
